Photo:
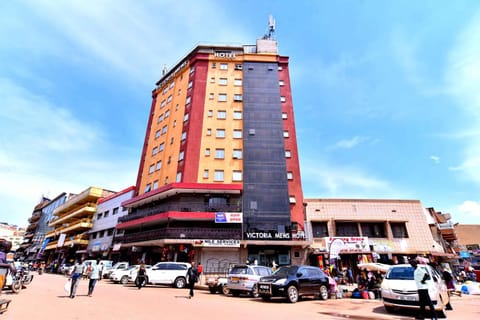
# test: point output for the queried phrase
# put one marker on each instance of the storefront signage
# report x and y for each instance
(231, 243)
(228, 217)
(268, 235)
(350, 244)
(61, 240)
(224, 54)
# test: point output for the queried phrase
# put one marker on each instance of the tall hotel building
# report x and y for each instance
(219, 178)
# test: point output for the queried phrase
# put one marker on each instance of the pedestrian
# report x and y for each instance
(200, 271)
(349, 276)
(75, 276)
(100, 271)
(141, 273)
(421, 276)
(192, 277)
(93, 277)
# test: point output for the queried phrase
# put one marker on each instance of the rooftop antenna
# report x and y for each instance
(164, 70)
(271, 28)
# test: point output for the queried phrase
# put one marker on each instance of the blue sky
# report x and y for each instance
(386, 93)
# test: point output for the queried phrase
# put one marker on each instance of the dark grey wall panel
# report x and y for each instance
(265, 197)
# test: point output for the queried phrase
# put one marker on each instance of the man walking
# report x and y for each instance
(75, 277)
(421, 276)
(93, 276)
(192, 276)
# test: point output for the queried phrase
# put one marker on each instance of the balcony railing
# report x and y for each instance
(185, 207)
(181, 233)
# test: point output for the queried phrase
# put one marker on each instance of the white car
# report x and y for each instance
(122, 275)
(170, 273)
(399, 289)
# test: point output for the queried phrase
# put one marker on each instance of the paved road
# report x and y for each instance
(45, 299)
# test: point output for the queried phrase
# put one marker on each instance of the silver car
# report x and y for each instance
(243, 279)
(399, 289)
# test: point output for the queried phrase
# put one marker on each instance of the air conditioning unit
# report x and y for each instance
(238, 67)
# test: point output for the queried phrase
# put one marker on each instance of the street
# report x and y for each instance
(45, 298)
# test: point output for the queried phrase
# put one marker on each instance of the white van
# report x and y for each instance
(117, 266)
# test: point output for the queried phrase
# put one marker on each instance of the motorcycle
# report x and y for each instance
(14, 282)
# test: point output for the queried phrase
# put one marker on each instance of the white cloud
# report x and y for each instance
(334, 181)
(435, 159)
(44, 149)
(350, 143)
(463, 76)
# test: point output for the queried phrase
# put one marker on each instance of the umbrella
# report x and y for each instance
(373, 266)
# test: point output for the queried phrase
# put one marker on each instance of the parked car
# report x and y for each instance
(117, 266)
(170, 273)
(399, 289)
(243, 278)
(64, 268)
(122, 275)
(293, 282)
(217, 284)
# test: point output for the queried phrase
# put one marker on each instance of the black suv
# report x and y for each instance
(293, 282)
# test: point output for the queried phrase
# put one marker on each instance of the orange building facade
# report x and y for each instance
(219, 177)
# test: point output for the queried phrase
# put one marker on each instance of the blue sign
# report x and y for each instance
(220, 217)
(464, 254)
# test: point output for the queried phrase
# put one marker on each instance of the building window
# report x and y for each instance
(160, 118)
(163, 104)
(237, 154)
(223, 66)
(218, 176)
(162, 146)
(237, 97)
(214, 65)
(110, 232)
(280, 68)
(209, 132)
(151, 169)
(286, 134)
(221, 114)
(219, 153)
(237, 134)
(346, 229)
(190, 84)
(159, 165)
(166, 180)
(284, 115)
(184, 135)
(205, 174)
(373, 229)
(167, 113)
(283, 99)
(169, 159)
(210, 113)
(220, 133)
(174, 123)
(223, 81)
(212, 80)
(237, 115)
(281, 83)
(292, 199)
(106, 214)
(179, 177)
(171, 140)
(237, 82)
(154, 151)
(207, 152)
(399, 229)
(148, 187)
(237, 175)
(169, 99)
(114, 211)
(99, 216)
(319, 229)
(238, 67)
(222, 97)
(155, 184)
(185, 117)
(180, 155)
(211, 96)
(157, 134)
(192, 69)
(188, 100)
(290, 175)
(164, 130)
(288, 154)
